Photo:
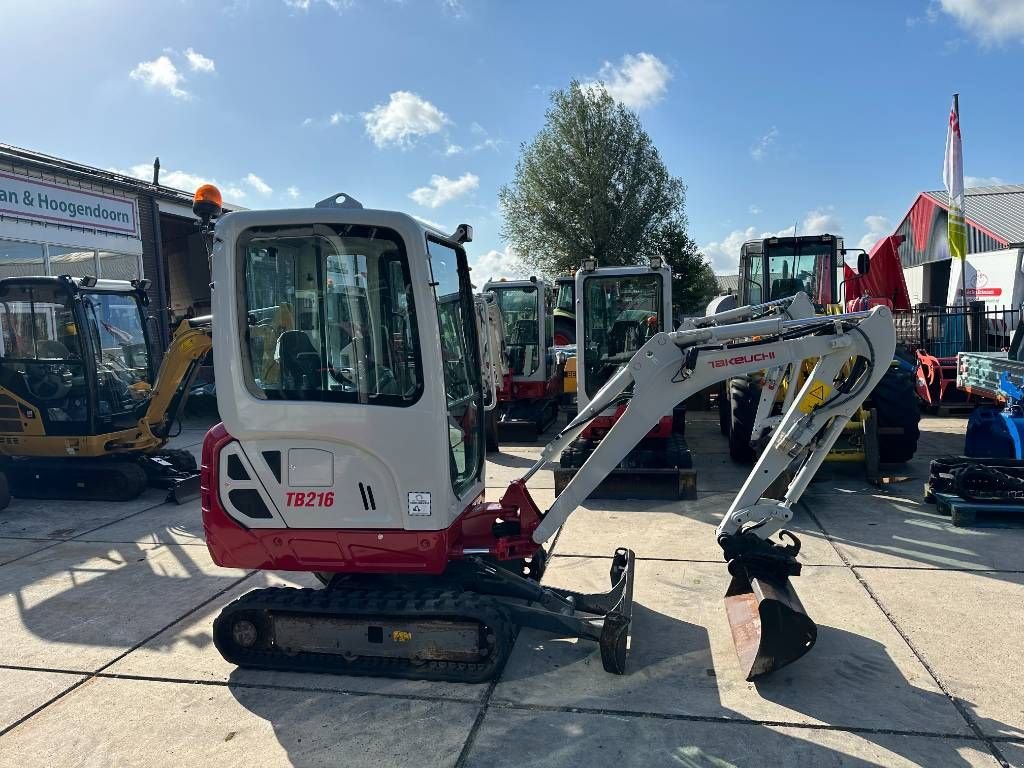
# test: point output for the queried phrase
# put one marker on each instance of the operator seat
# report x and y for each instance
(786, 287)
(299, 361)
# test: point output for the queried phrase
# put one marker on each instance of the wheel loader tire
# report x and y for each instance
(744, 395)
(491, 431)
(565, 332)
(724, 414)
(897, 406)
(5, 492)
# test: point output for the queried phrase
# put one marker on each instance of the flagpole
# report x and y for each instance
(963, 259)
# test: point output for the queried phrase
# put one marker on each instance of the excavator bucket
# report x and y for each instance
(770, 627)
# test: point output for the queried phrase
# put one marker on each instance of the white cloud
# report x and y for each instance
(494, 144)
(258, 184)
(455, 8)
(819, 221)
(475, 127)
(292, 192)
(495, 265)
(991, 21)
(405, 117)
(183, 180)
(161, 73)
(763, 144)
(983, 181)
(754, 210)
(338, 117)
(724, 254)
(878, 227)
(429, 223)
(442, 189)
(305, 5)
(197, 62)
(307, 122)
(452, 149)
(638, 81)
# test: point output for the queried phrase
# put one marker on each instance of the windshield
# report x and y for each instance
(566, 300)
(619, 315)
(522, 331)
(803, 266)
(42, 356)
(118, 333)
(330, 315)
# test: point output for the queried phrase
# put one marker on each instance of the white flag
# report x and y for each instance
(953, 178)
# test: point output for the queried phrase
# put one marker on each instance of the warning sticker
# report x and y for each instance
(816, 396)
(419, 502)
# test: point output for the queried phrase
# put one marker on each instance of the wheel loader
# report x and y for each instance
(83, 412)
(361, 458)
(884, 431)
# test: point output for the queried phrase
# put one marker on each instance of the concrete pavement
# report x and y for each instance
(106, 612)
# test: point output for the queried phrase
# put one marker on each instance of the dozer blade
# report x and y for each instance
(770, 627)
(184, 490)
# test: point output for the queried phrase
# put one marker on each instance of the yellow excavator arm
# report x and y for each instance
(191, 341)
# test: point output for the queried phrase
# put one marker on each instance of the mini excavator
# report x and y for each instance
(352, 447)
(82, 415)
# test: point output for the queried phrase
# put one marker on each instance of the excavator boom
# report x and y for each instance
(770, 626)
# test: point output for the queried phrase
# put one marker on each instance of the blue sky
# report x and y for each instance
(828, 115)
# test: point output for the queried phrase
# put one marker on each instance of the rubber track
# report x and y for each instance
(404, 605)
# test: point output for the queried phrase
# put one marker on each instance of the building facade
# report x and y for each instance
(994, 218)
(59, 217)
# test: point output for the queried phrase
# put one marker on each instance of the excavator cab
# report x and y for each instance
(528, 400)
(780, 267)
(85, 413)
(75, 354)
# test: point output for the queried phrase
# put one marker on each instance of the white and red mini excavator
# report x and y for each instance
(352, 446)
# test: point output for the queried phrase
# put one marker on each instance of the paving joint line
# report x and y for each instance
(95, 673)
(957, 704)
(485, 701)
(58, 542)
(723, 720)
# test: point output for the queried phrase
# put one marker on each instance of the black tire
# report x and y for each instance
(566, 329)
(491, 431)
(5, 492)
(724, 412)
(898, 407)
(744, 394)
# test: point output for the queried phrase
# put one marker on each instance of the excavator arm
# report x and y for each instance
(769, 624)
(190, 343)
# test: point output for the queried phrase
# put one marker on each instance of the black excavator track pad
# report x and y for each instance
(457, 627)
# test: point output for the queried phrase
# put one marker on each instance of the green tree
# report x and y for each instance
(693, 279)
(591, 184)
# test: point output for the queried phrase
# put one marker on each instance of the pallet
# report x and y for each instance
(965, 513)
(647, 484)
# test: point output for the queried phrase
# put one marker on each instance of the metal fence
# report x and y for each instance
(945, 331)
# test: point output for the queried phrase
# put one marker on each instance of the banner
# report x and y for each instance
(953, 177)
(46, 201)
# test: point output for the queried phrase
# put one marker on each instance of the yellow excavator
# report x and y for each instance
(83, 413)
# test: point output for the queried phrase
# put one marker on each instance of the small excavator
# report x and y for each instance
(352, 447)
(532, 386)
(82, 415)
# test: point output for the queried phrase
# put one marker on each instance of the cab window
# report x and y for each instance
(329, 315)
(462, 378)
(619, 316)
(519, 313)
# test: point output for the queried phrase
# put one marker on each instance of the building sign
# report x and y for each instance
(43, 200)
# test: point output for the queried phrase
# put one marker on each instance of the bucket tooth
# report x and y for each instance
(770, 627)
